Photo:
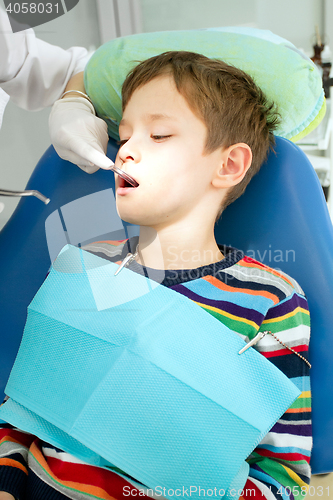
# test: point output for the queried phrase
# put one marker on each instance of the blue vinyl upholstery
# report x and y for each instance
(281, 220)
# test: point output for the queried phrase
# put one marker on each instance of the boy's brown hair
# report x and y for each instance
(225, 98)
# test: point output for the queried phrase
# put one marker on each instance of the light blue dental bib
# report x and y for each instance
(122, 370)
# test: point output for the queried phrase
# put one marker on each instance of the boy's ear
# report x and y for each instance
(235, 162)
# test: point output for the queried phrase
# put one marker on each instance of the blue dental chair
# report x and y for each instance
(282, 220)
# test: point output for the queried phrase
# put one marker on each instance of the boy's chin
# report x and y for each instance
(138, 215)
(129, 217)
(136, 219)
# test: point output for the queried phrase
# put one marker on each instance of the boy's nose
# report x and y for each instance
(124, 158)
(128, 152)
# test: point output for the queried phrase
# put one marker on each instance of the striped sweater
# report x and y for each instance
(246, 296)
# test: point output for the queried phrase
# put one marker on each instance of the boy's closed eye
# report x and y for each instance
(160, 137)
(155, 137)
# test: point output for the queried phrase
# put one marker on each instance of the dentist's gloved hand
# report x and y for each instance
(78, 135)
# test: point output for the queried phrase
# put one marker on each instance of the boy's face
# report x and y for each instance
(163, 150)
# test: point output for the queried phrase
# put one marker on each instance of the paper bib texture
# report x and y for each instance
(121, 370)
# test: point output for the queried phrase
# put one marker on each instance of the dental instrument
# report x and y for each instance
(125, 176)
(32, 192)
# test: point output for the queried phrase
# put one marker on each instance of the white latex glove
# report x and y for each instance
(78, 135)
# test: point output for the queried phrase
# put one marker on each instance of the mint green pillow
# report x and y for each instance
(286, 75)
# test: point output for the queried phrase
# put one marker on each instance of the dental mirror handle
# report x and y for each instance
(125, 176)
(32, 192)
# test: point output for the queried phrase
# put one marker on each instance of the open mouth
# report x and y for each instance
(123, 183)
(123, 175)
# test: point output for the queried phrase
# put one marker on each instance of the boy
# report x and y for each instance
(194, 131)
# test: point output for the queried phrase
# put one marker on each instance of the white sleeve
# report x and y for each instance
(32, 72)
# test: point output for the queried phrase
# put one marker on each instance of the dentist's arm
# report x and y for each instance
(32, 72)
(35, 74)
(77, 134)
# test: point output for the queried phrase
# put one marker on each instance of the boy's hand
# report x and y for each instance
(6, 496)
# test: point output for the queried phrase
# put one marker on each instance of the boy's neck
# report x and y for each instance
(174, 249)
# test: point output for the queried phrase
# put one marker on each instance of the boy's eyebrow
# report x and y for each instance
(152, 117)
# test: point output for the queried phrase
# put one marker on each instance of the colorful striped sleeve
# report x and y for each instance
(279, 466)
(249, 297)
(14, 447)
